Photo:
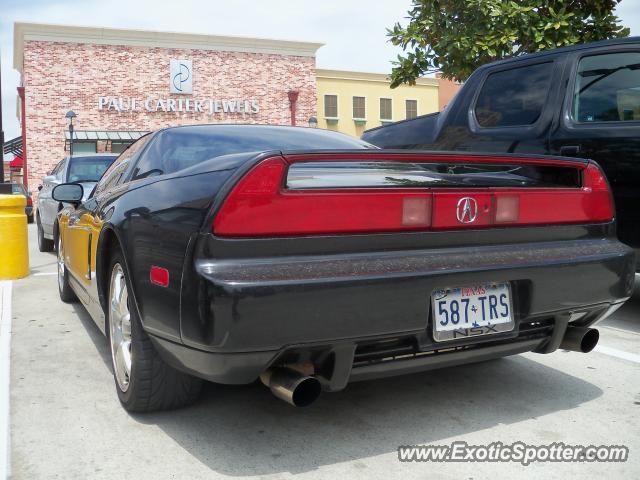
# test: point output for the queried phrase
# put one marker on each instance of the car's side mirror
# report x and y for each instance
(68, 192)
(49, 178)
(39, 187)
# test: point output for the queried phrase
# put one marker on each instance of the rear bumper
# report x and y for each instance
(360, 316)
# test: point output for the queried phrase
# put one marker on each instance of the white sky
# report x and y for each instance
(353, 31)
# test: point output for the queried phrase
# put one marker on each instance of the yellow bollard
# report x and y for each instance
(14, 248)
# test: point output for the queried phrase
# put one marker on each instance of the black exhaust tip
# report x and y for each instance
(580, 339)
(589, 340)
(307, 392)
(292, 386)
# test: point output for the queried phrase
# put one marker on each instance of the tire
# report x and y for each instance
(67, 295)
(29, 218)
(44, 244)
(144, 382)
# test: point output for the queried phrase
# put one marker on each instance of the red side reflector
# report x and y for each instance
(159, 276)
(260, 204)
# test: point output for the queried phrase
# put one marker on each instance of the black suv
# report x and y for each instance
(580, 101)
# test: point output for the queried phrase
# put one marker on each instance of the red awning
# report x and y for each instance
(17, 162)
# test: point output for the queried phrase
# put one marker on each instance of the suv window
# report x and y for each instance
(115, 172)
(607, 88)
(514, 97)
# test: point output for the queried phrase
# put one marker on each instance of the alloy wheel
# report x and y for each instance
(120, 327)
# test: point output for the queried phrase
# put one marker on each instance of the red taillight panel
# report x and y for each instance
(599, 201)
(261, 205)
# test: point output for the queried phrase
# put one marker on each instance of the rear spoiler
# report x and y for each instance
(372, 191)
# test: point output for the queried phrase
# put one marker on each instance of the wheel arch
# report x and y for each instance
(108, 242)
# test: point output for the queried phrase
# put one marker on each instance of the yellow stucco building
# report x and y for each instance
(352, 102)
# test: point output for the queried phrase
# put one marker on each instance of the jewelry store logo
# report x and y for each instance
(181, 77)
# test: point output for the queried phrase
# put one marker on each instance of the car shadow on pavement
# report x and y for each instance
(94, 333)
(244, 430)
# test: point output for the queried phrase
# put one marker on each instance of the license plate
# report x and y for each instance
(463, 312)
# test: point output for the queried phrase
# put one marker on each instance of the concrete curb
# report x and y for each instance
(5, 375)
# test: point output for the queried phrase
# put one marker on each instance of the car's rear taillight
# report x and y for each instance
(29, 201)
(263, 204)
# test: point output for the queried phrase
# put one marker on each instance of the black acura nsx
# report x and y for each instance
(310, 259)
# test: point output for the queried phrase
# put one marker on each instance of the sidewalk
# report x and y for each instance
(5, 346)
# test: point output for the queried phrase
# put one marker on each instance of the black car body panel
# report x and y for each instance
(614, 145)
(348, 303)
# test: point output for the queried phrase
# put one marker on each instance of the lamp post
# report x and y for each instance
(313, 122)
(293, 99)
(70, 115)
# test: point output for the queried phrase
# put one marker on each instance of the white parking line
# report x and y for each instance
(614, 352)
(5, 350)
(42, 274)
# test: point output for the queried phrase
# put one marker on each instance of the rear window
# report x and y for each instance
(88, 169)
(607, 88)
(514, 97)
(176, 149)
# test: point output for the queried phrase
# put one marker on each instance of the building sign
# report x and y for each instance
(155, 104)
(180, 82)
(180, 77)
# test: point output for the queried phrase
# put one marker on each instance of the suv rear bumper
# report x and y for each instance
(360, 316)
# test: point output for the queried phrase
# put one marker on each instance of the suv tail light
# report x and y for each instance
(261, 204)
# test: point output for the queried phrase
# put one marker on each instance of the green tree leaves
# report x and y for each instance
(457, 36)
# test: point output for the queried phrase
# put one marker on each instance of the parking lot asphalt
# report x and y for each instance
(66, 421)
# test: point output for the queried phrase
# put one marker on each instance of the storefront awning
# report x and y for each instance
(17, 162)
(116, 136)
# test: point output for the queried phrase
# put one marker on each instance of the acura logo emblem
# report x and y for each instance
(467, 210)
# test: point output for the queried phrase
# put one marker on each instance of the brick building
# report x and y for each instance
(122, 83)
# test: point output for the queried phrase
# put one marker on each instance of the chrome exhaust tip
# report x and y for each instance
(292, 386)
(580, 339)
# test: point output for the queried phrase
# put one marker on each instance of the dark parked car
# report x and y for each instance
(308, 259)
(83, 169)
(18, 189)
(581, 101)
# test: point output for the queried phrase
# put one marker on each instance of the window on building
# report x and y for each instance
(514, 97)
(385, 109)
(412, 108)
(119, 147)
(607, 88)
(359, 110)
(84, 147)
(331, 106)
